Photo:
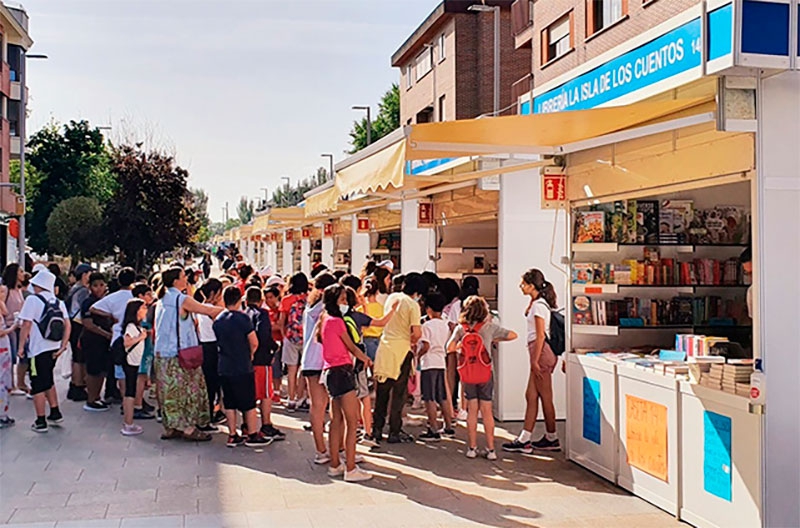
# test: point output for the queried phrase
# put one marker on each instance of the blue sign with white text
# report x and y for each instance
(591, 410)
(717, 455)
(671, 54)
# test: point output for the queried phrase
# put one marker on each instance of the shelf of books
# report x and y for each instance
(470, 250)
(661, 351)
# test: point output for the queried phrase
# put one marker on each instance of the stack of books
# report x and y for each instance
(736, 378)
(713, 378)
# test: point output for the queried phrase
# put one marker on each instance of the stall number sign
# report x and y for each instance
(363, 224)
(289, 236)
(425, 216)
(306, 232)
(327, 230)
(554, 190)
(646, 436)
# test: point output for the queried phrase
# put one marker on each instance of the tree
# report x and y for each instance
(75, 228)
(288, 196)
(200, 211)
(245, 210)
(67, 161)
(386, 122)
(151, 211)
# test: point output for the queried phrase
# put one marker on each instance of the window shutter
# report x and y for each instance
(571, 30)
(590, 17)
(545, 44)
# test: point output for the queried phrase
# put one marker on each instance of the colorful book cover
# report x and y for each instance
(590, 227)
(582, 273)
(582, 310)
(735, 227)
(632, 225)
(682, 215)
(647, 219)
(618, 223)
(599, 274)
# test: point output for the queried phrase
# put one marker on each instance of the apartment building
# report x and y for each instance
(14, 41)
(447, 64)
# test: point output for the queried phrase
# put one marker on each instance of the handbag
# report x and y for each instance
(189, 358)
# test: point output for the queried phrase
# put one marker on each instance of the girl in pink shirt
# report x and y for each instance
(338, 377)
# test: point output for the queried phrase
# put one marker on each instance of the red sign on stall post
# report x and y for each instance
(327, 230)
(289, 235)
(306, 232)
(425, 214)
(362, 225)
(554, 188)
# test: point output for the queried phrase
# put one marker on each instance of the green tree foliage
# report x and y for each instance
(75, 228)
(200, 211)
(67, 161)
(288, 196)
(386, 122)
(151, 211)
(245, 210)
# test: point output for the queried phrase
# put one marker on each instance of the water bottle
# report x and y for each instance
(758, 386)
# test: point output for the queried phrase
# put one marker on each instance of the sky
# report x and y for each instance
(241, 91)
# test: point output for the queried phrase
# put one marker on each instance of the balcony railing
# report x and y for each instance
(521, 15)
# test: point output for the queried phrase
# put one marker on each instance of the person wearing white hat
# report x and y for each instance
(388, 264)
(45, 321)
(266, 272)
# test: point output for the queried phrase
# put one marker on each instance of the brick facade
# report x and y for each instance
(642, 15)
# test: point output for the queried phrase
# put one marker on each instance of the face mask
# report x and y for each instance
(344, 308)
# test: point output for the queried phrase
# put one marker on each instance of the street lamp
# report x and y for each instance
(266, 193)
(483, 8)
(288, 181)
(369, 122)
(23, 111)
(330, 158)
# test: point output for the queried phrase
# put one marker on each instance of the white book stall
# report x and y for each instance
(659, 334)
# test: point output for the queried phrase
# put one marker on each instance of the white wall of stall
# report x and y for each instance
(526, 240)
(288, 258)
(305, 256)
(417, 244)
(359, 246)
(327, 251)
(776, 271)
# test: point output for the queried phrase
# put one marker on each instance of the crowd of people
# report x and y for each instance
(356, 351)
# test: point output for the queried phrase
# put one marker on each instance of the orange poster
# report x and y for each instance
(646, 436)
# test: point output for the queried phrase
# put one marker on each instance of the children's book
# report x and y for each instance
(590, 227)
(582, 310)
(647, 219)
(582, 273)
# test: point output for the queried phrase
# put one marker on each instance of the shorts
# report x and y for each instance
(481, 391)
(547, 359)
(291, 352)
(119, 372)
(362, 384)
(311, 373)
(433, 388)
(42, 372)
(146, 366)
(131, 375)
(263, 380)
(239, 392)
(75, 342)
(98, 360)
(339, 380)
(371, 346)
(277, 365)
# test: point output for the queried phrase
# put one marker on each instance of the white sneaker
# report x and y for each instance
(408, 421)
(357, 475)
(491, 455)
(322, 458)
(462, 415)
(343, 455)
(472, 452)
(336, 472)
(131, 430)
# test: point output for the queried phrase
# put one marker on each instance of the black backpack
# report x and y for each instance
(557, 339)
(51, 323)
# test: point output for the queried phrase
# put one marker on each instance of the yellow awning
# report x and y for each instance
(261, 224)
(375, 173)
(322, 202)
(537, 133)
(286, 215)
(245, 231)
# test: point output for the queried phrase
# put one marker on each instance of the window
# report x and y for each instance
(424, 63)
(601, 14)
(557, 39)
(441, 46)
(442, 113)
(409, 76)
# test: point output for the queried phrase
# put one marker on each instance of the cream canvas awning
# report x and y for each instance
(323, 202)
(377, 172)
(545, 134)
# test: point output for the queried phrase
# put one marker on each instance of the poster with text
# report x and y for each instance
(646, 436)
(717, 454)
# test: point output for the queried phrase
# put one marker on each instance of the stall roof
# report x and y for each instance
(261, 223)
(322, 202)
(536, 133)
(376, 172)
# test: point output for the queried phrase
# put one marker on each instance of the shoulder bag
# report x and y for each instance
(191, 357)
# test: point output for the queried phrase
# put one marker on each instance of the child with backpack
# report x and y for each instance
(133, 340)
(472, 340)
(291, 323)
(541, 341)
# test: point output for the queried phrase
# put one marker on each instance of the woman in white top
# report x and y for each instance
(543, 362)
(133, 340)
(210, 293)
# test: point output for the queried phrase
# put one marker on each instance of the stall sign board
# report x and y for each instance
(425, 214)
(306, 232)
(289, 236)
(646, 436)
(362, 224)
(554, 190)
(591, 410)
(717, 455)
(327, 230)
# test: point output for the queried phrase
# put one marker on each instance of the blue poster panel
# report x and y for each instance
(717, 455)
(591, 410)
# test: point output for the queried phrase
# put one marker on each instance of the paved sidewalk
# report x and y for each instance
(85, 474)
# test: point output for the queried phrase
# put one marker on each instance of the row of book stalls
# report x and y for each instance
(639, 214)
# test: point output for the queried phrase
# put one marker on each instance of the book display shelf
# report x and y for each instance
(656, 286)
(386, 245)
(470, 250)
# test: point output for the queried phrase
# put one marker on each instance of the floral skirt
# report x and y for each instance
(182, 395)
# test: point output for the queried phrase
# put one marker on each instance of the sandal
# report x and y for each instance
(196, 436)
(171, 434)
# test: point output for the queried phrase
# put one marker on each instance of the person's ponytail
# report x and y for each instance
(535, 278)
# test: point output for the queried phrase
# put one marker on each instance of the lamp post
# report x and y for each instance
(23, 112)
(288, 181)
(483, 8)
(330, 159)
(369, 122)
